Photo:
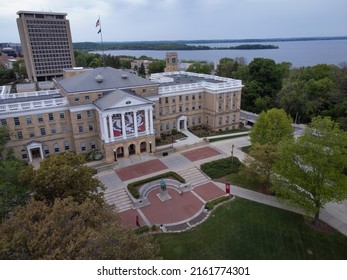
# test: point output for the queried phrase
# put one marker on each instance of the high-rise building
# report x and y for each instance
(46, 43)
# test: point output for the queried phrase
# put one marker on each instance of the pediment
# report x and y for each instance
(129, 101)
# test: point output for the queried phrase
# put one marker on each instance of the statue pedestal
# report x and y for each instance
(163, 195)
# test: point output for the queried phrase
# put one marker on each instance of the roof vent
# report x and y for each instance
(99, 78)
(124, 76)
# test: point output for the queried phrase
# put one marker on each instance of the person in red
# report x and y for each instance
(137, 221)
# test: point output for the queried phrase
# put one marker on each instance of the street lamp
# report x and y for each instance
(150, 146)
(115, 154)
(232, 153)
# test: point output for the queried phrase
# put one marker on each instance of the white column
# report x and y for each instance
(135, 124)
(124, 133)
(105, 130)
(146, 121)
(30, 156)
(151, 120)
(41, 153)
(110, 124)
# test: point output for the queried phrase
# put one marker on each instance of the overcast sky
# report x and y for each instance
(138, 20)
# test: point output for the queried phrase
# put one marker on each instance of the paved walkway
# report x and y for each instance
(187, 210)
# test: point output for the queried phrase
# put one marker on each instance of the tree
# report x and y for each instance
(12, 193)
(272, 127)
(311, 171)
(200, 67)
(70, 230)
(270, 130)
(142, 70)
(61, 176)
(157, 66)
(227, 67)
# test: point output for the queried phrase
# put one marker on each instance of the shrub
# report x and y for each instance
(210, 205)
(222, 167)
(153, 228)
(142, 229)
(94, 155)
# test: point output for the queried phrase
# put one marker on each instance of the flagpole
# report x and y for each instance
(102, 43)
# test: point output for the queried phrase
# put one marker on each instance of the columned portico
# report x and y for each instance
(182, 123)
(121, 125)
(32, 147)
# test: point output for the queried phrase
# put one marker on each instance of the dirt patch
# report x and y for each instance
(320, 226)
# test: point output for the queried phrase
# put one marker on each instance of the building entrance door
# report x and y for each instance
(36, 153)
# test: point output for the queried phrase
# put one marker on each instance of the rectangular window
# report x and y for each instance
(31, 133)
(62, 115)
(180, 108)
(173, 109)
(43, 131)
(187, 97)
(3, 122)
(77, 99)
(93, 146)
(66, 146)
(28, 120)
(91, 127)
(167, 111)
(159, 100)
(16, 121)
(80, 128)
(174, 99)
(86, 97)
(180, 98)
(220, 120)
(166, 100)
(39, 118)
(193, 96)
(53, 130)
(64, 128)
(50, 116)
(79, 116)
(89, 114)
(19, 135)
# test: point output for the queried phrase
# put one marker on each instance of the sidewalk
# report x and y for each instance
(333, 214)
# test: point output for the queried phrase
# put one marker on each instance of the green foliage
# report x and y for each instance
(133, 187)
(211, 204)
(157, 66)
(200, 67)
(63, 175)
(272, 127)
(142, 71)
(68, 230)
(94, 155)
(142, 229)
(12, 193)
(6, 75)
(222, 167)
(310, 171)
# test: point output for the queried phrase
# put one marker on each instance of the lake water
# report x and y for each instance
(299, 53)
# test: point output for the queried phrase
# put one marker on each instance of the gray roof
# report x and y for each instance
(111, 98)
(111, 79)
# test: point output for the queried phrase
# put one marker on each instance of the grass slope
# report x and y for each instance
(248, 230)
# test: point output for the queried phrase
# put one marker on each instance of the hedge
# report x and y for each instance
(133, 187)
(222, 167)
(210, 205)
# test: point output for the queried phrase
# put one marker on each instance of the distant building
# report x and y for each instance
(115, 111)
(172, 63)
(46, 43)
(136, 64)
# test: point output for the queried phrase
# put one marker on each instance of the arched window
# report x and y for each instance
(24, 154)
(83, 146)
(93, 145)
(56, 148)
(46, 150)
(66, 146)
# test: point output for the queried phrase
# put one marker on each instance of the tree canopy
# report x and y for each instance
(311, 171)
(200, 67)
(61, 176)
(272, 127)
(68, 230)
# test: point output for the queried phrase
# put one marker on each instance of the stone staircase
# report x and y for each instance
(119, 198)
(194, 176)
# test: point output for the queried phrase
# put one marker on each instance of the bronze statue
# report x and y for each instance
(162, 184)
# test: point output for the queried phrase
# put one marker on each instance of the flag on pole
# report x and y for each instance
(97, 23)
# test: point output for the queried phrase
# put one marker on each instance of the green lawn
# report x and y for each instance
(243, 229)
